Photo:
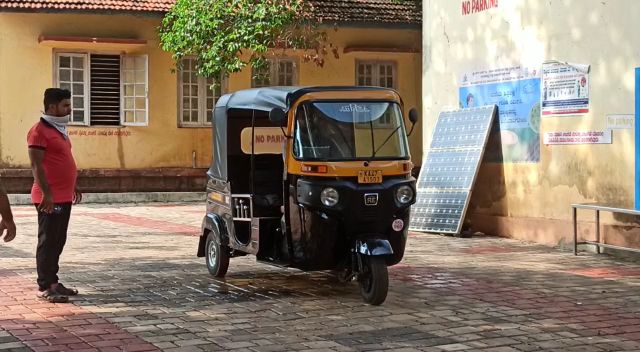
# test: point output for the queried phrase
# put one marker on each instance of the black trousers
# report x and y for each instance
(52, 235)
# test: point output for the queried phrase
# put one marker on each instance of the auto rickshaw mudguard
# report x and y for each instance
(374, 247)
(212, 223)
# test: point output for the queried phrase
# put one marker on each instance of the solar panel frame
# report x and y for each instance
(450, 169)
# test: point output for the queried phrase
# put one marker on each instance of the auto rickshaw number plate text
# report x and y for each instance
(370, 176)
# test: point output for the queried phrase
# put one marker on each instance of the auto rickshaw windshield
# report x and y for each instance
(343, 131)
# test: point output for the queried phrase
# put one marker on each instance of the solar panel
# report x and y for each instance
(438, 211)
(450, 168)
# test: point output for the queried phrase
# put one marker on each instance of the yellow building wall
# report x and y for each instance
(532, 201)
(26, 69)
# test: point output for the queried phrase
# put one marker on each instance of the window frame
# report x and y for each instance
(202, 100)
(86, 79)
(146, 91)
(375, 77)
(274, 71)
(376, 71)
(86, 54)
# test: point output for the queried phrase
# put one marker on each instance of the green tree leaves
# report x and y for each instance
(226, 35)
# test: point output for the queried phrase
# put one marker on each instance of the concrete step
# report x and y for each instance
(115, 198)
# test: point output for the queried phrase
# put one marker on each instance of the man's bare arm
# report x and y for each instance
(37, 156)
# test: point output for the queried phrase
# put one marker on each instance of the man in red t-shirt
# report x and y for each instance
(54, 190)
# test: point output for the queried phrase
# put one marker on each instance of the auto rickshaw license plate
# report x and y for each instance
(370, 176)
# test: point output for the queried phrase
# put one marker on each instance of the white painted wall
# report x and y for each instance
(602, 33)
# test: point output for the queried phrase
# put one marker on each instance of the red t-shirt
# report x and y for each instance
(59, 166)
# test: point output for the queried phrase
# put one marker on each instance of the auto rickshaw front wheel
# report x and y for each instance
(374, 280)
(217, 256)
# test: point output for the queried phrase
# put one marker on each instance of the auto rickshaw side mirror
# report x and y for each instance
(413, 117)
(277, 116)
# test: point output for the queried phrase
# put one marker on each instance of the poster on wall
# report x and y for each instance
(620, 122)
(565, 89)
(577, 137)
(516, 91)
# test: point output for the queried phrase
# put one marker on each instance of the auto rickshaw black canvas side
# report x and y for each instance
(312, 178)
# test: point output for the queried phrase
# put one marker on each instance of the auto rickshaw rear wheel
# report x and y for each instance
(374, 281)
(217, 256)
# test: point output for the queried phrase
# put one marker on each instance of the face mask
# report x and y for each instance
(58, 120)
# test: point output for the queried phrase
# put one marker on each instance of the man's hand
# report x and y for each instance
(77, 196)
(8, 226)
(47, 203)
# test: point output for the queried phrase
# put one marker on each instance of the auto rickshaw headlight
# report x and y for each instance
(404, 194)
(329, 197)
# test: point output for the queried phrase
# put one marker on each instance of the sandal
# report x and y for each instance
(53, 296)
(66, 291)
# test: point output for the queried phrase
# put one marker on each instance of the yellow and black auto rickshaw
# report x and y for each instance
(312, 178)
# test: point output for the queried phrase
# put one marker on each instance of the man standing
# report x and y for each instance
(54, 190)
(6, 224)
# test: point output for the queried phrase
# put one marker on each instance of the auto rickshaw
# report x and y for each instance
(314, 178)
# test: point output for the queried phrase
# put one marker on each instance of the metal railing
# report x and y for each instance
(598, 242)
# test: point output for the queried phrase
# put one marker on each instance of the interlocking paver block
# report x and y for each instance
(142, 286)
(10, 345)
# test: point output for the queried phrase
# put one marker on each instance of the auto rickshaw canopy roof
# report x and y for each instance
(262, 101)
(267, 98)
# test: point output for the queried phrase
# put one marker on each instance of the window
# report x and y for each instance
(106, 90)
(134, 87)
(285, 72)
(197, 99)
(278, 72)
(261, 77)
(381, 74)
(372, 73)
(72, 75)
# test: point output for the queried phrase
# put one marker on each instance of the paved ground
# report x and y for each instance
(143, 290)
